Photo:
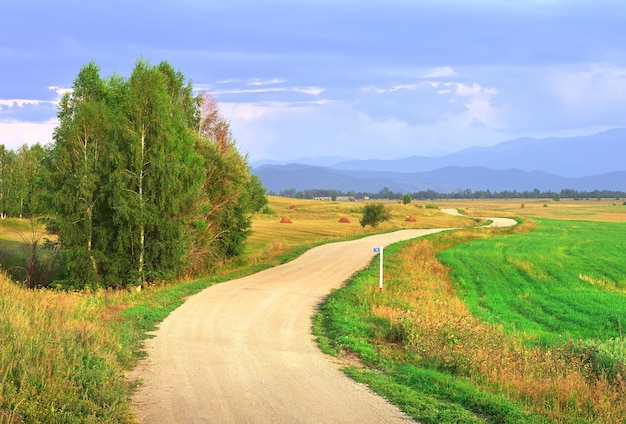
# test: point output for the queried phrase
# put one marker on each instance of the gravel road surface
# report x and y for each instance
(243, 352)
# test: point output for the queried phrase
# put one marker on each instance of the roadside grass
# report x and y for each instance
(419, 333)
(58, 360)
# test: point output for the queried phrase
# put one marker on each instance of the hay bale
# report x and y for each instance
(410, 219)
(286, 220)
(344, 219)
(293, 207)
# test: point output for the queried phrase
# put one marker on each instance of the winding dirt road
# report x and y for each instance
(242, 351)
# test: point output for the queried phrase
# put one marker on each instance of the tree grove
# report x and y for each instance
(144, 179)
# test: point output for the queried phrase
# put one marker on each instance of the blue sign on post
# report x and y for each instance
(380, 250)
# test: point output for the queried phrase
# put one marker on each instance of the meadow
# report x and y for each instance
(64, 356)
(565, 279)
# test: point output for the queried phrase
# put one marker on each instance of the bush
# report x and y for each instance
(267, 210)
(374, 213)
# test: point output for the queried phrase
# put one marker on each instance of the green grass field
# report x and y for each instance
(565, 279)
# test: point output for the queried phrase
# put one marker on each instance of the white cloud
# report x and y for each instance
(249, 90)
(597, 86)
(60, 91)
(268, 82)
(260, 128)
(230, 81)
(287, 130)
(11, 103)
(15, 134)
(19, 102)
(393, 88)
(470, 90)
(313, 91)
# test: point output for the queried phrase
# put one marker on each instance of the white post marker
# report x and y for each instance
(380, 250)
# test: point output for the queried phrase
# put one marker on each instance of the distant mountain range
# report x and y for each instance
(580, 163)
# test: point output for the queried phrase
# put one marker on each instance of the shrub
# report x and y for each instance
(267, 210)
(374, 213)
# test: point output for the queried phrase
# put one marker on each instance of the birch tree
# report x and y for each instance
(158, 172)
(76, 179)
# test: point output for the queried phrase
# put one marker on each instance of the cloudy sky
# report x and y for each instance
(309, 78)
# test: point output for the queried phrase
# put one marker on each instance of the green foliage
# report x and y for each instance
(268, 210)
(606, 358)
(20, 172)
(406, 199)
(145, 183)
(374, 213)
(257, 200)
(432, 206)
(228, 196)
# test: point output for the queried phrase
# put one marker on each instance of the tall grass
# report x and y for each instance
(58, 362)
(422, 334)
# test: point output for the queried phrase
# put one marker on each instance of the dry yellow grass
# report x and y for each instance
(316, 221)
(589, 210)
(20, 230)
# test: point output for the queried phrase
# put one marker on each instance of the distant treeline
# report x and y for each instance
(385, 193)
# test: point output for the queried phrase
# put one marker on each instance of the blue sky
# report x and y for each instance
(363, 79)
